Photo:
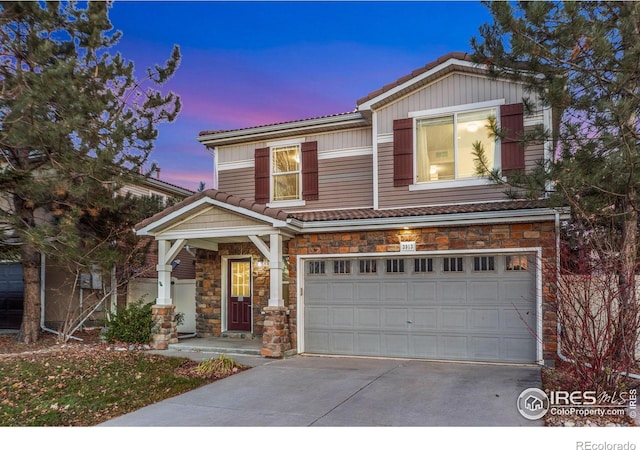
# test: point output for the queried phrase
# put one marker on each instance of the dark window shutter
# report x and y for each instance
(403, 152)
(262, 175)
(309, 170)
(512, 150)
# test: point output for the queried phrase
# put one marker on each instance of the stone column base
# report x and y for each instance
(166, 327)
(276, 338)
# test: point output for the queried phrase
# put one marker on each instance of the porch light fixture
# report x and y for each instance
(262, 264)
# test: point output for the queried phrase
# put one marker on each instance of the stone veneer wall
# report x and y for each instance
(209, 288)
(474, 237)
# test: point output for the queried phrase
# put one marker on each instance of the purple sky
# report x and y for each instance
(254, 63)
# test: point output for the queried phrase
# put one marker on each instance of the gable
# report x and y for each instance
(212, 217)
(454, 89)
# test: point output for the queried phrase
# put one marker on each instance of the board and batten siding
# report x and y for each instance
(454, 89)
(327, 143)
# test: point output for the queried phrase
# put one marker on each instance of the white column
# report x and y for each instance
(275, 270)
(164, 274)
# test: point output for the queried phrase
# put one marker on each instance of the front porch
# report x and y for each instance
(240, 273)
(220, 345)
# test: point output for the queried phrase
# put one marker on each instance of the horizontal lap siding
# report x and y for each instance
(343, 183)
(327, 142)
(238, 182)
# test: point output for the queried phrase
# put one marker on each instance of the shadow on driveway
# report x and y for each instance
(350, 392)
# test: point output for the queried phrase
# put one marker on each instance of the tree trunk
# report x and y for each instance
(30, 328)
(628, 302)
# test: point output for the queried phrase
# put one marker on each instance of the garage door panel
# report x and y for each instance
(395, 291)
(453, 347)
(317, 316)
(342, 317)
(422, 292)
(484, 319)
(451, 292)
(342, 343)
(421, 311)
(395, 318)
(424, 319)
(485, 348)
(424, 346)
(368, 317)
(486, 292)
(453, 319)
(342, 291)
(395, 344)
(368, 292)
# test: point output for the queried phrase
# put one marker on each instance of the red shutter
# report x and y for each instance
(262, 175)
(512, 150)
(309, 170)
(403, 152)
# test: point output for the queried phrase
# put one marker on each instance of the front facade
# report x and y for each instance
(368, 233)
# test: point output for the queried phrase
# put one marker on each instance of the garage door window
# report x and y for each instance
(342, 267)
(395, 265)
(423, 265)
(517, 262)
(484, 264)
(452, 265)
(368, 266)
(316, 267)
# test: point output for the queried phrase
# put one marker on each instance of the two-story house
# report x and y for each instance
(369, 232)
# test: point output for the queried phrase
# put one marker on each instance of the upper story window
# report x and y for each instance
(285, 173)
(433, 149)
(445, 145)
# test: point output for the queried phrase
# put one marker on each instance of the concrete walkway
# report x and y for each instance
(307, 391)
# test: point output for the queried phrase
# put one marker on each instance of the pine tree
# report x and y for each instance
(582, 59)
(75, 125)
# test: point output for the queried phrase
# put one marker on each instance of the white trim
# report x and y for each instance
(450, 62)
(468, 107)
(470, 252)
(240, 164)
(374, 150)
(385, 138)
(353, 119)
(345, 153)
(286, 142)
(213, 233)
(458, 219)
(449, 184)
(286, 203)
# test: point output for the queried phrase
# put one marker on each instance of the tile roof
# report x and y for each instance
(370, 213)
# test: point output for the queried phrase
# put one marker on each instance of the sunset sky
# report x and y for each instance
(254, 63)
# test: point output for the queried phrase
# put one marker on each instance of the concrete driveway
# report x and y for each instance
(353, 392)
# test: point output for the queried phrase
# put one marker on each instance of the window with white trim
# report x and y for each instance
(444, 145)
(285, 173)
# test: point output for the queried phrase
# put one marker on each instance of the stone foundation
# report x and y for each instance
(276, 340)
(166, 326)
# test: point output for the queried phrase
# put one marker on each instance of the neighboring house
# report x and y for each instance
(57, 286)
(368, 233)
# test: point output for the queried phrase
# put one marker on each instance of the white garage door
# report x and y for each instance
(472, 308)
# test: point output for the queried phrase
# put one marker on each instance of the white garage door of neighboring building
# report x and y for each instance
(471, 308)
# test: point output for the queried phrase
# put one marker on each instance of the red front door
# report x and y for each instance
(239, 289)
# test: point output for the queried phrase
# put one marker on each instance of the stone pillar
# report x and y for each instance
(276, 339)
(166, 327)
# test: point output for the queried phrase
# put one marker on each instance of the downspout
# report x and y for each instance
(558, 326)
(43, 263)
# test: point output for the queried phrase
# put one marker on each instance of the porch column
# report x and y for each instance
(275, 270)
(164, 275)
